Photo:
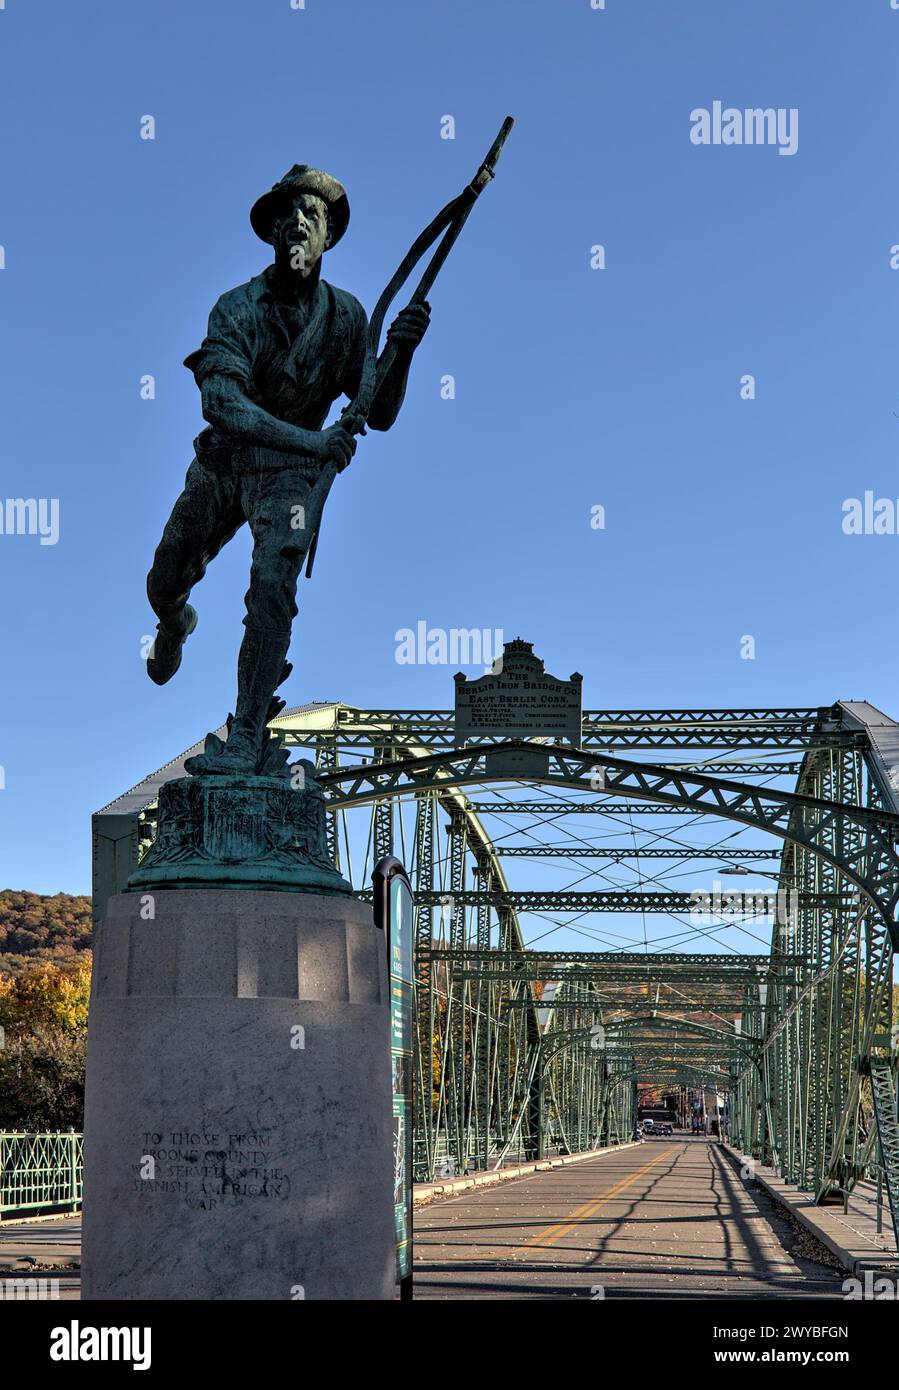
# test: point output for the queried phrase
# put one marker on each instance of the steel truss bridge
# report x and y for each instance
(623, 954)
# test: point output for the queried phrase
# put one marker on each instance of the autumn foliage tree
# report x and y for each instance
(43, 1018)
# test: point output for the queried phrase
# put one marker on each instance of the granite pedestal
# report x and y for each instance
(238, 1107)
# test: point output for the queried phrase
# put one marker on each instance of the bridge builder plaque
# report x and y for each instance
(520, 700)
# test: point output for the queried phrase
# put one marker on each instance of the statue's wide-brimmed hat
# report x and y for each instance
(302, 178)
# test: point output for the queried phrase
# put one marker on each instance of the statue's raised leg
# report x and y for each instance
(203, 519)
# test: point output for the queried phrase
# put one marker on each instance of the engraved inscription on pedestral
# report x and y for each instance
(210, 1170)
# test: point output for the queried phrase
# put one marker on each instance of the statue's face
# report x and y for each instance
(301, 232)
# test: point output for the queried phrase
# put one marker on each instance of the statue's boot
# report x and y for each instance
(165, 654)
(260, 670)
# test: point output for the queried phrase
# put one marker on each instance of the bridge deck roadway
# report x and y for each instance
(664, 1219)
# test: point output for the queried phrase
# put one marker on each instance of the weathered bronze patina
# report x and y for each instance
(278, 353)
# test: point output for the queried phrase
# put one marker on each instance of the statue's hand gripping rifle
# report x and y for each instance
(449, 222)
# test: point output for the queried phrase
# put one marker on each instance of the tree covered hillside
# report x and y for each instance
(35, 928)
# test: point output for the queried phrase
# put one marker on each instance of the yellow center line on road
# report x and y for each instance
(574, 1218)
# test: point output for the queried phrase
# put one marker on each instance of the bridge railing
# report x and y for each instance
(40, 1171)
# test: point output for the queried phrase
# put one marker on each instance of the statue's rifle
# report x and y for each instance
(449, 221)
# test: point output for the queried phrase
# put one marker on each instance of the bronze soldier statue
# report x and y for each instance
(279, 351)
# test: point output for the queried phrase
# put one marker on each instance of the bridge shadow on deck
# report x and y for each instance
(731, 1218)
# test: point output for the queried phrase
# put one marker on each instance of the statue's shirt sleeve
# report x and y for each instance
(227, 349)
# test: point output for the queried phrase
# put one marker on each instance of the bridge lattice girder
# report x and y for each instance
(839, 831)
(506, 1061)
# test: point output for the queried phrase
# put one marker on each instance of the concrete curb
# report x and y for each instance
(10, 1218)
(430, 1191)
(854, 1251)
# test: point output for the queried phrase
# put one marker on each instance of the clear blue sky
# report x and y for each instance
(574, 387)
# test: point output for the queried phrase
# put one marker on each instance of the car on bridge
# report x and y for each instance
(652, 1126)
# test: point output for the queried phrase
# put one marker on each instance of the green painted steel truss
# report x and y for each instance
(520, 1051)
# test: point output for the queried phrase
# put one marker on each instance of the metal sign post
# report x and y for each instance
(393, 908)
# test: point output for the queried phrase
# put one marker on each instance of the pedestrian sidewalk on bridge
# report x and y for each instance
(41, 1243)
(850, 1235)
